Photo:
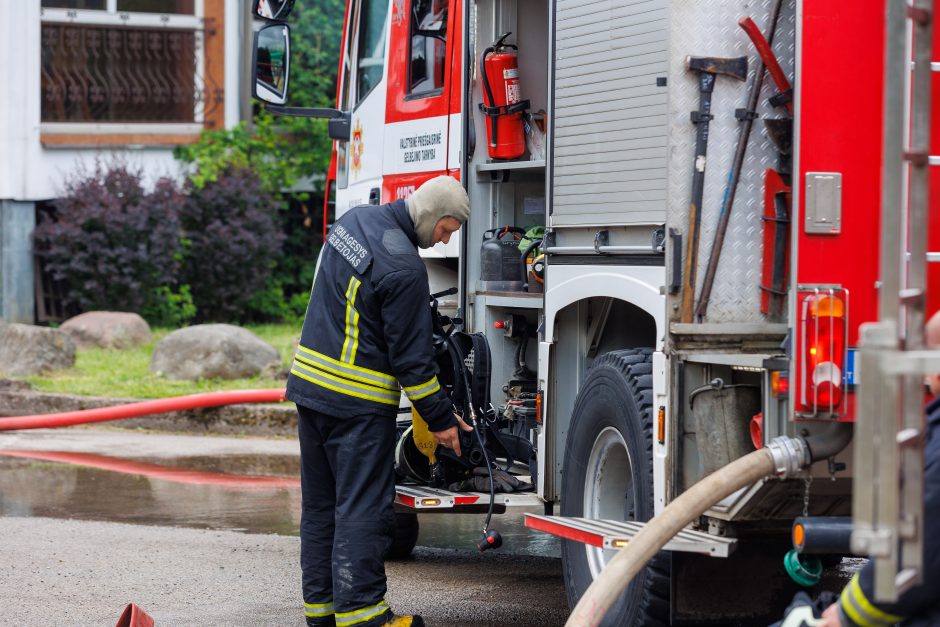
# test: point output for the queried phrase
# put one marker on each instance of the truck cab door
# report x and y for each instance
(423, 109)
(362, 91)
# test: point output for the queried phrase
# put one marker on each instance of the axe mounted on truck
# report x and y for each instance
(707, 68)
(747, 117)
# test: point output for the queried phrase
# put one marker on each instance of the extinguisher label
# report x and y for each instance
(513, 93)
(510, 72)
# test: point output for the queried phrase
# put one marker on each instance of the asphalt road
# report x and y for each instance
(56, 571)
(67, 572)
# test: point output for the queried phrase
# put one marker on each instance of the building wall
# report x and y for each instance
(35, 163)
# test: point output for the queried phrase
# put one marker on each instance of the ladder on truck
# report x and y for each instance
(888, 498)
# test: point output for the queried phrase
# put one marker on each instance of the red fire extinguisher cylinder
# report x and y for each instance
(502, 101)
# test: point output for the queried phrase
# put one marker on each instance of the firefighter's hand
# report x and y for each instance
(830, 617)
(451, 437)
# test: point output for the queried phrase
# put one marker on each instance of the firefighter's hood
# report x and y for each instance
(441, 197)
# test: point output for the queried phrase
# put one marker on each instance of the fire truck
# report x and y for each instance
(697, 229)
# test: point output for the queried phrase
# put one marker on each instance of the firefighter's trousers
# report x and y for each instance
(348, 485)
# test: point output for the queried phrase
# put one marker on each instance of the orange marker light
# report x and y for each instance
(779, 384)
(799, 534)
(661, 425)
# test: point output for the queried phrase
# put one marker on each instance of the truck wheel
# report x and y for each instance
(404, 536)
(608, 474)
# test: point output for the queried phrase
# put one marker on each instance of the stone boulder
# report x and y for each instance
(213, 351)
(26, 350)
(107, 329)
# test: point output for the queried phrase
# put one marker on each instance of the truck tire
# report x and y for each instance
(608, 474)
(404, 536)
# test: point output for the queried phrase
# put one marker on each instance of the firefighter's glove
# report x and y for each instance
(804, 612)
(480, 482)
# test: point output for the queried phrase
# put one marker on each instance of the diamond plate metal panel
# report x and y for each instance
(710, 28)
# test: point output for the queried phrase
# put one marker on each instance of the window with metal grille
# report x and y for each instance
(121, 61)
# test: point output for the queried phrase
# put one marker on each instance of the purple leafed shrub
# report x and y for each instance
(113, 244)
(233, 239)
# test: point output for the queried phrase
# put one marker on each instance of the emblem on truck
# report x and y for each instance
(356, 148)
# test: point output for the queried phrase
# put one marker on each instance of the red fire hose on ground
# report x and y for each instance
(143, 408)
(157, 471)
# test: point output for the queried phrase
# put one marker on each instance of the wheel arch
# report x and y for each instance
(637, 319)
(638, 287)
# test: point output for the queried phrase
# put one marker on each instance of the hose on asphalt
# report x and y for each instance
(784, 456)
(143, 408)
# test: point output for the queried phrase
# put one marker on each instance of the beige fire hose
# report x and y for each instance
(783, 457)
(691, 504)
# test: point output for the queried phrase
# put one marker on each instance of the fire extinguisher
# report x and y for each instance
(502, 101)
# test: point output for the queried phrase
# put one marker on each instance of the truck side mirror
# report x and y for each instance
(271, 63)
(271, 70)
(272, 9)
(340, 127)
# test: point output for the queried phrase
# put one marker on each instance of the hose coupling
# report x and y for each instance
(790, 455)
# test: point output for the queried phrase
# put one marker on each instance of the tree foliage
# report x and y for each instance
(282, 153)
(317, 31)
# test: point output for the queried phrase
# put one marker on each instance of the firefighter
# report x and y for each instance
(920, 605)
(366, 337)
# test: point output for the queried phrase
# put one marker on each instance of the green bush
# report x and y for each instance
(232, 225)
(277, 153)
(113, 245)
(169, 308)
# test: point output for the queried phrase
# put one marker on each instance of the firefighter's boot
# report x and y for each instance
(405, 621)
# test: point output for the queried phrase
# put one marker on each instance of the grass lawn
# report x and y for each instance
(126, 373)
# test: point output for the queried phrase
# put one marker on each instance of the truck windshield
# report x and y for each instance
(370, 54)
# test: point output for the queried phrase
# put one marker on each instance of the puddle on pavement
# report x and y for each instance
(248, 493)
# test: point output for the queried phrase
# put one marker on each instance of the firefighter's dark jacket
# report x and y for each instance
(919, 605)
(367, 330)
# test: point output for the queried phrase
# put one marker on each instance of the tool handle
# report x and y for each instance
(767, 56)
(688, 267)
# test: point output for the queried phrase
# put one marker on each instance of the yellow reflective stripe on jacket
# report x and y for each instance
(344, 386)
(318, 610)
(352, 322)
(854, 603)
(417, 392)
(350, 371)
(344, 619)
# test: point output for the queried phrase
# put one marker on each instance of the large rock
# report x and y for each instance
(26, 350)
(107, 329)
(213, 351)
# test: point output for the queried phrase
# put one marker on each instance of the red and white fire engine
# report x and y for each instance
(708, 193)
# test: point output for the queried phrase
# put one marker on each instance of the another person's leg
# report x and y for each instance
(361, 452)
(316, 518)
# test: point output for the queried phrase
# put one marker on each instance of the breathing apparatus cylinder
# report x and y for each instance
(502, 100)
